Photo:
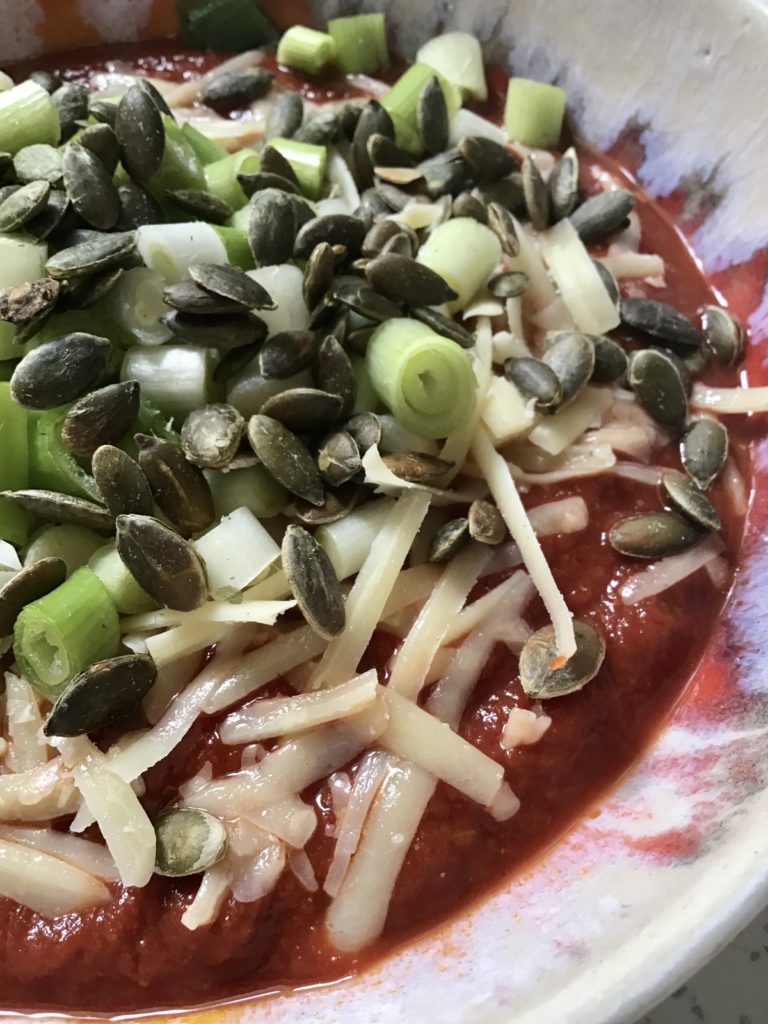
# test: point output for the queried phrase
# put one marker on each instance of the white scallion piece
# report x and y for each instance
(633, 264)
(175, 378)
(204, 908)
(540, 292)
(458, 57)
(348, 541)
(170, 249)
(342, 182)
(236, 551)
(523, 728)
(555, 433)
(581, 287)
(27, 746)
(729, 400)
(136, 303)
(45, 884)
(666, 572)
(397, 438)
(566, 515)
(457, 445)
(92, 858)
(284, 284)
(465, 122)
(507, 414)
(39, 794)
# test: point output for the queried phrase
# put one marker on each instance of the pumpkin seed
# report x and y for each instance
(220, 331)
(378, 236)
(32, 582)
(261, 181)
(23, 204)
(335, 229)
(572, 357)
(610, 360)
(660, 320)
(542, 682)
(38, 162)
(321, 130)
(188, 297)
(94, 255)
(563, 185)
(178, 487)
(416, 467)
(609, 282)
(87, 291)
(313, 582)
(348, 116)
(365, 301)
(696, 361)
(62, 508)
(284, 456)
(488, 161)
(334, 373)
(50, 217)
(137, 207)
(339, 458)
(24, 302)
(71, 100)
(211, 435)
(688, 498)
(103, 111)
(508, 285)
(233, 362)
(59, 371)
(384, 152)
(603, 215)
(101, 417)
(704, 450)
(155, 95)
(89, 187)
(162, 562)
(444, 325)
(101, 140)
(432, 117)
(140, 134)
(188, 842)
(486, 524)
(501, 222)
(272, 230)
(201, 205)
(287, 353)
(371, 208)
(403, 244)
(507, 192)
(273, 162)
(723, 335)
(536, 195)
(467, 205)
(46, 79)
(448, 540)
(400, 176)
(404, 280)
(656, 380)
(374, 120)
(318, 274)
(105, 692)
(338, 503)
(445, 174)
(232, 89)
(121, 481)
(232, 283)
(285, 116)
(365, 428)
(535, 379)
(396, 198)
(304, 410)
(652, 535)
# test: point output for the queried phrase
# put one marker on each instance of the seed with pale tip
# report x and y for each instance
(334, 373)
(178, 487)
(704, 450)
(333, 228)
(121, 481)
(536, 194)
(101, 417)
(286, 458)
(339, 502)
(488, 160)
(374, 119)
(432, 117)
(602, 215)
(688, 498)
(417, 467)
(572, 357)
(313, 582)
(365, 428)
(105, 692)
(534, 379)
(652, 535)
(563, 185)
(32, 582)
(542, 682)
(188, 842)
(508, 285)
(445, 174)
(162, 562)
(339, 458)
(486, 524)
(448, 540)
(211, 435)
(318, 274)
(723, 335)
(501, 222)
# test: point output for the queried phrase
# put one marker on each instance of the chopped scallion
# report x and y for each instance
(181, 167)
(28, 115)
(464, 253)
(534, 112)
(221, 176)
(169, 249)
(308, 162)
(52, 467)
(235, 241)
(14, 465)
(136, 303)
(128, 597)
(361, 43)
(207, 150)
(175, 378)
(306, 49)
(251, 487)
(459, 59)
(402, 100)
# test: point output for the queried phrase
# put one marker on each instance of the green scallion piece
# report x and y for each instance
(464, 253)
(401, 103)
(458, 57)
(27, 115)
(14, 466)
(426, 380)
(235, 241)
(232, 25)
(366, 398)
(221, 176)
(64, 632)
(361, 43)
(308, 161)
(128, 597)
(181, 167)
(534, 112)
(207, 150)
(251, 487)
(306, 49)
(51, 466)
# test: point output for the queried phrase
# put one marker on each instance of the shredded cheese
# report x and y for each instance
(457, 446)
(27, 746)
(523, 728)
(92, 858)
(204, 908)
(540, 291)
(729, 400)
(257, 860)
(45, 884)
(568, 515)
(39, 794)
(633, 264)
(506, 413)
(666, 572)
(512, 595)
(555, 433)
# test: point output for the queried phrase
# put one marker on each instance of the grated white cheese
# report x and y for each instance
(567, 515)
(666, 572)
(27, 746)
(650, 475)
(456, 446)
(540, 292)
(506, 413)
(301, 866)
(236, 551)
(524, 728)
(633, 264)
(39, 794)
(92, 858)
(45, 884)
(729, 400)
(555, 433)
(204, 908)
(256, 860)
(512, 595)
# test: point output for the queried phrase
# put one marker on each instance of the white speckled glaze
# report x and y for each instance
(675, 861)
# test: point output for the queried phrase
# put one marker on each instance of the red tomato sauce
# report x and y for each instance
(134, 954)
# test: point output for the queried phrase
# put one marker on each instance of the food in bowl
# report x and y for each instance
(374, 467)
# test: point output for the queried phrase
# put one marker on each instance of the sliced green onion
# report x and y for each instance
(366, 399)
(401, 103)
(169, 249)
(181, 167)
(464, 253)
(252, 488)
(64, 632)
(207, 150)
(361, 43)
(73, 544)
(175, 378)
(14, 465)
(306, 49)
(348, 541)
(426, 380)
(27, 115)
(128, 597)
(534, 112)
(241, 219)
(221, 176)
(136, 304)
(308, 162)
(21, 260)
(93, 321)
(52, 466)
(232, 25)
(458, 57)
(235, 241)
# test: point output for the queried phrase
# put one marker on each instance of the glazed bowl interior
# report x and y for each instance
(673, 862)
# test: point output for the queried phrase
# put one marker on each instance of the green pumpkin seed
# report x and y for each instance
(285, 116)
(416, 467)
(103, 111)
(696, 361)
(101, 140)
(140, 134)
(603, 215)
(610, 360)
(338, 503)
(25, 302)
(102, 694)
(443, 325)
(62, 508)
(506, 192)
(378, 235)
(323, 129)
(189, 298)
(572, 357)
(201, 205)
(46, 79)
(286, 458)
(32, 582)
(723, 335)
(23, 204)
(403, 280)
(365, 301)
(262, 181)
(500, 221)
(211, 435)
(373, 120)
(444, 174)
(609, 281)
(38, 162)
(488, 161)
(339, 458)
(365, 428)
(313, 582)
(87, 291)
(162, 562)
(188, 842)
(273, 162)
(287, 353)
(536, 195)
(90, 257)
(486, 523)
(688, 498)
(335, 229)
(432, 117)
(542, 682)
(467, 205)
(334, 373)
(657, 382)
(231, 283)
(535, 379)
(448, 540)
(178, 487)
(233, 362)
(121, 481)
(652, 535)
(59, 371)
(508, 285)
(89, 187)
(223, 332)
(137, 207)
(661, 321)
(71, 100)
(232, 89)
(304, 410)
(704, 451)
(50, 217)
(155, 95)
(101, 417)
(396, 198)
(318, 274)
(563, 185)
(371, 207)
(383, 152)
(273, 228)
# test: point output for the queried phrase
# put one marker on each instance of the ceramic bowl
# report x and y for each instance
(672, 863)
